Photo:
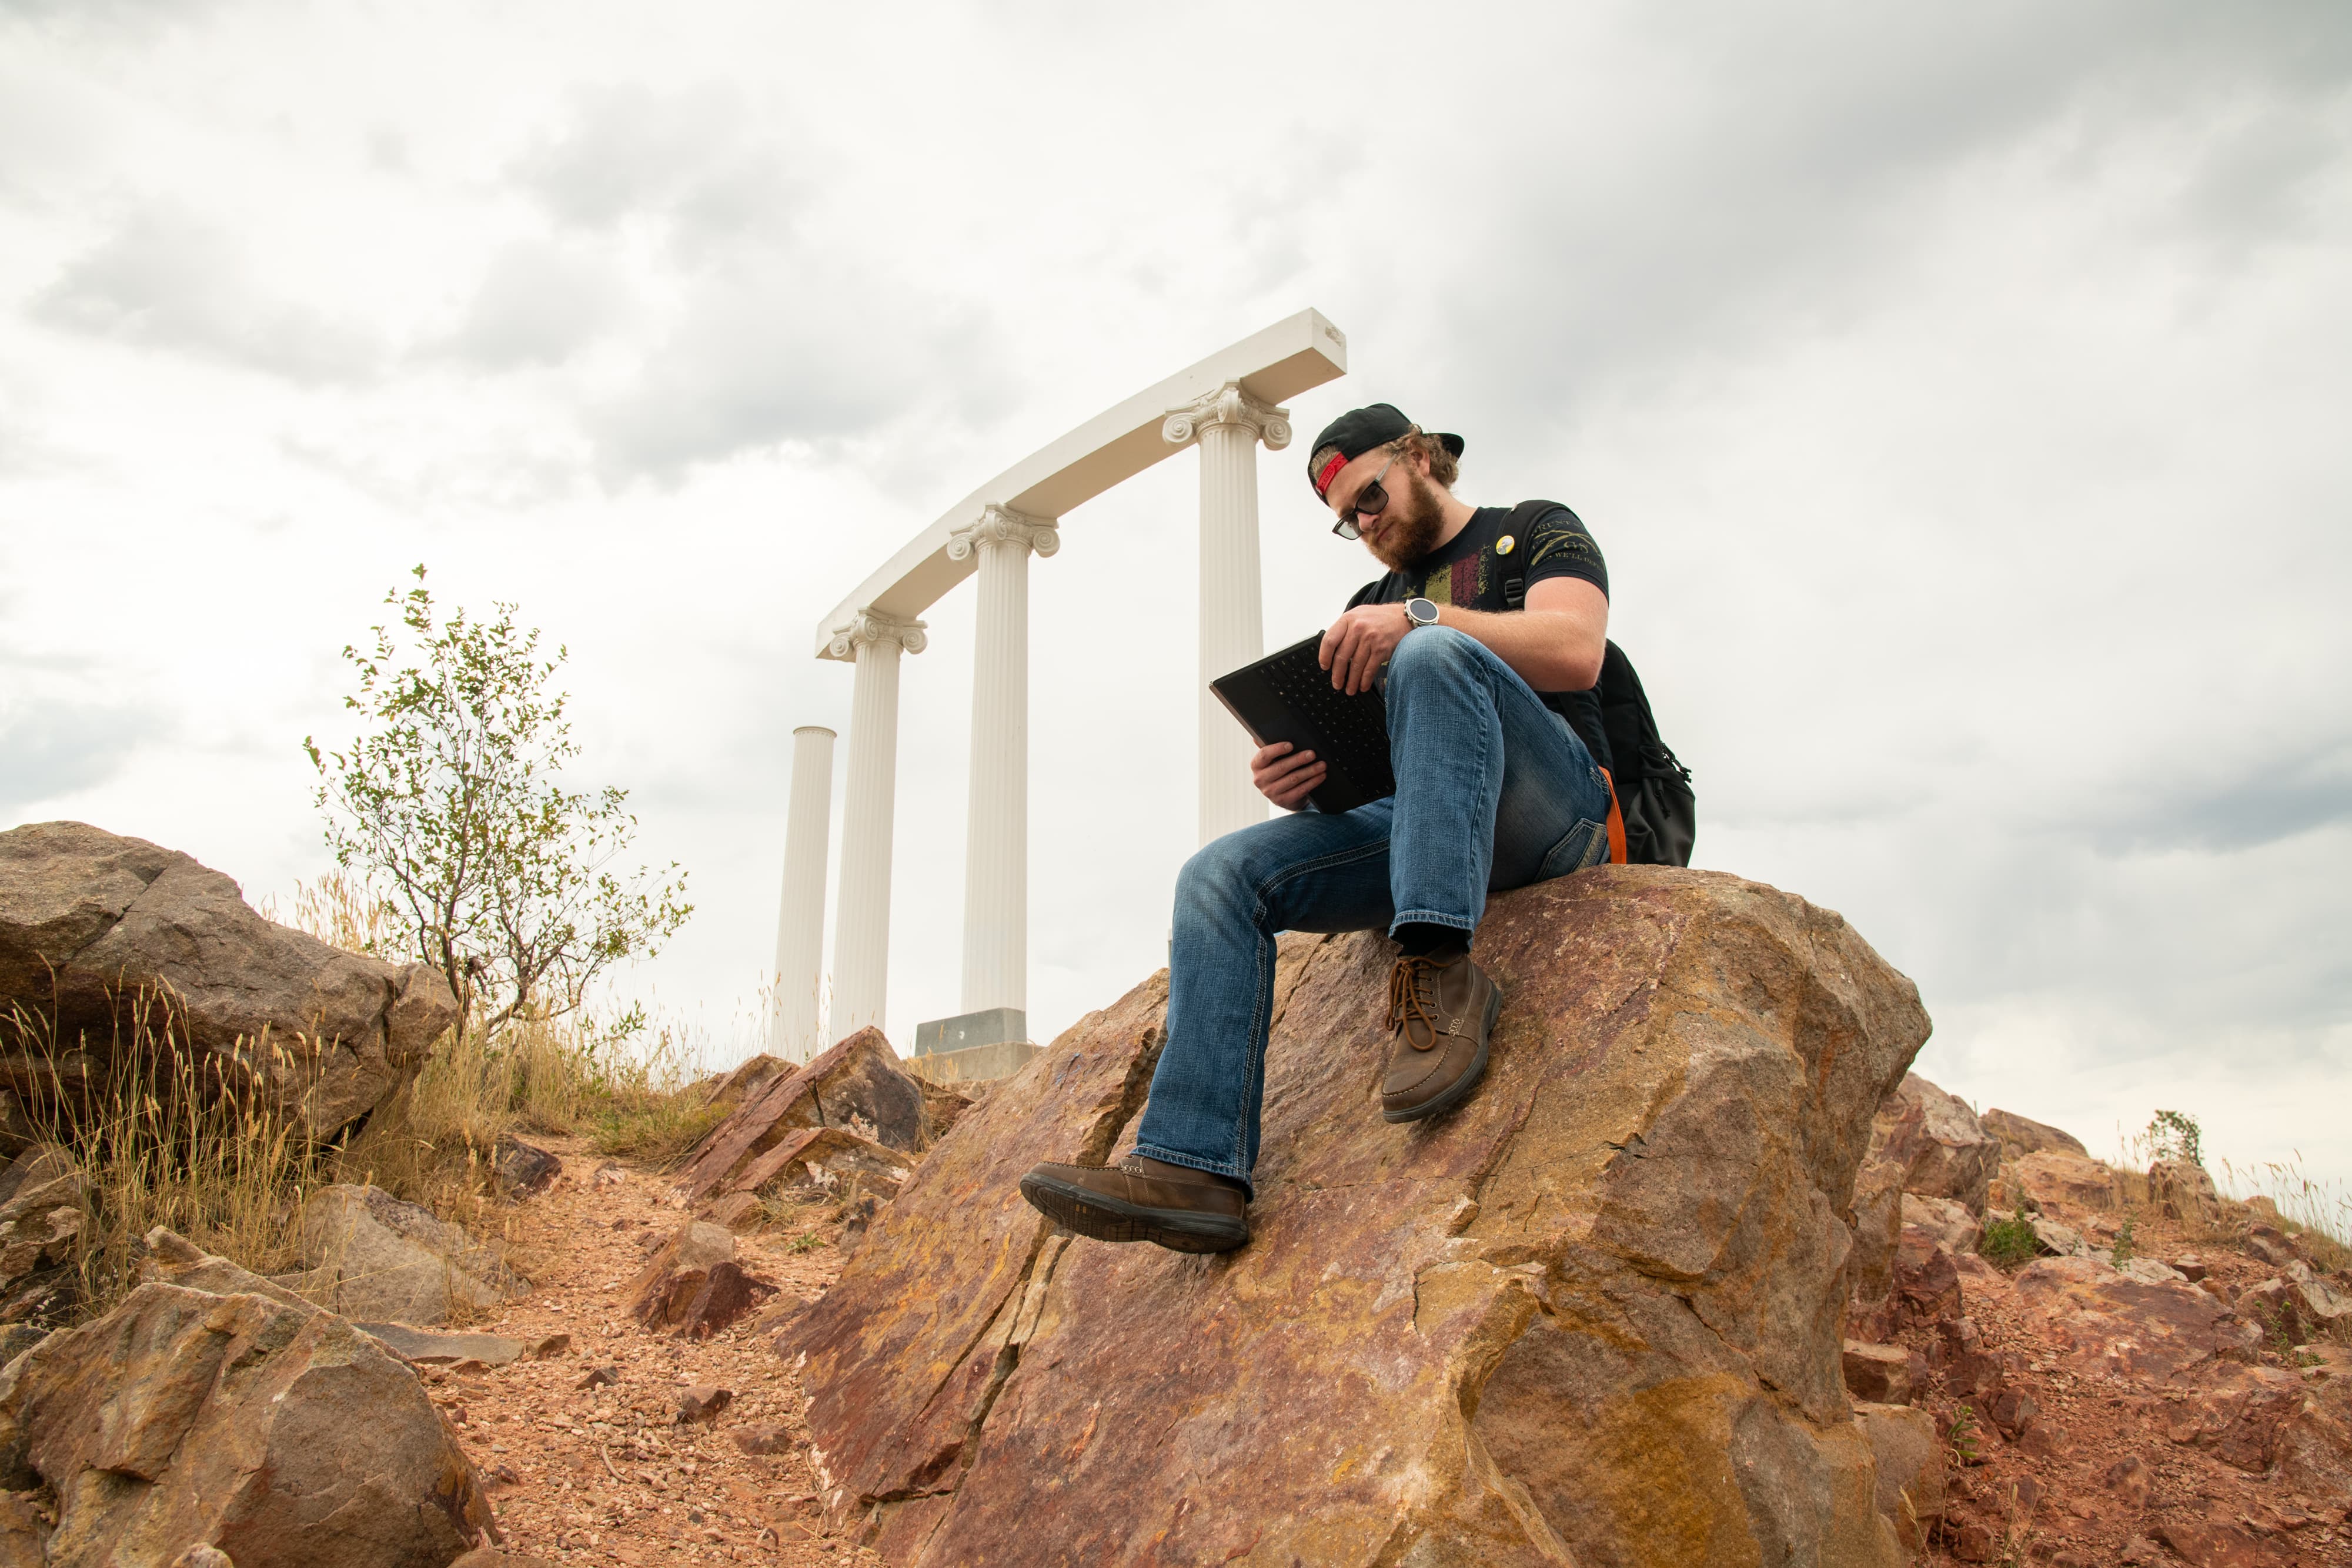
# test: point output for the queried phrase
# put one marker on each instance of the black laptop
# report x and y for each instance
(1289, 696)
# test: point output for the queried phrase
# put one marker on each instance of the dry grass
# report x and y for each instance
(161, 1140)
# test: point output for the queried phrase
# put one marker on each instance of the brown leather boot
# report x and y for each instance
(1142, 1199)
(1443, 1010)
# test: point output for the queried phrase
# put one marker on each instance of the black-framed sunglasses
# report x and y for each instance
(1370, 502)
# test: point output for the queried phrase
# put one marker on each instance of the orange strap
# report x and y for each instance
(1616, 824)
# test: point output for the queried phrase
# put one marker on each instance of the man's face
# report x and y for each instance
(1406, 529)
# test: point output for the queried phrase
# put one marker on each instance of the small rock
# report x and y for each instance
(2058, 1240)
(523, 1168)
(1946, 1219)
(611, 1173)
(546, 1349)
(765, 1440)
(2270, 1244)
(2201, 1545)
(600, 1377)
(2128, 1478)
(702, 1402)
(203, 1556)
(2013, 1410)
(1880, 1374)
(738, 1211)
(2190, 1267)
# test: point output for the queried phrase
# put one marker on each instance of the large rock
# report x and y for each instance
(105, 938)
(2108, 1324)
(2021, 1135)
(1934, 1144)
(2067, 1186)
(368, 1255)
(857, 1086)
(1591, 1316)
(280, 1434)
(2183, 1192)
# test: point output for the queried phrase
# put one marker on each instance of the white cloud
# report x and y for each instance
(169, 279)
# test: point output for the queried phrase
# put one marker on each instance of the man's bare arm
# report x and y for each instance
(1555, 644)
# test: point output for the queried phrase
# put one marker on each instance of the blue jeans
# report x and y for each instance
(1494, 791)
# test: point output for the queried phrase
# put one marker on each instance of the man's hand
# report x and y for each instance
(1359, 642)
(1284, 779)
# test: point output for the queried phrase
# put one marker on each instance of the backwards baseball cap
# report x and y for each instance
(1355, 433)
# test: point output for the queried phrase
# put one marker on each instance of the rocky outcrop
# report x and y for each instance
(278, 1435)
(1591, 1316)
(857, 1088)
(370, 1256)
(108, 944)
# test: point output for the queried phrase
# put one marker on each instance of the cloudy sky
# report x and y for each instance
(1951, 389)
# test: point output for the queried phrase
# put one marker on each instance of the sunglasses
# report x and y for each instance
(1371, 502)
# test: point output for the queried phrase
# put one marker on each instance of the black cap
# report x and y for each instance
(1355, 433)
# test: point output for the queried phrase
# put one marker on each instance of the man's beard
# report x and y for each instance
(1409, 529)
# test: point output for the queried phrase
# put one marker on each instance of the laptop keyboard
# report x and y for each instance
(1357, 725)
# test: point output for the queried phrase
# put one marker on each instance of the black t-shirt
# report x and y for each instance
(1470, 570)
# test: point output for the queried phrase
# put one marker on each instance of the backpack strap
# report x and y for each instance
(1616, 821)
(1515, 576)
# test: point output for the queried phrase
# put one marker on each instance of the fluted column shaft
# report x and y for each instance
(996, 839)
(796, 1019)
(1228, 424)
(861, 930)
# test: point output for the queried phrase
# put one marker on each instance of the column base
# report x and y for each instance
(972, 1048)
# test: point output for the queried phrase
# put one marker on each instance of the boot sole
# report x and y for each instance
(1454, 1093)
(1111, 1219)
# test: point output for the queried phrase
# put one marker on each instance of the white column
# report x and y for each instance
(996, 843)
(797, 1016)
(1228, 424)
(861, 926)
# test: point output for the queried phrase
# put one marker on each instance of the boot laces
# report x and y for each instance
(1412, 997)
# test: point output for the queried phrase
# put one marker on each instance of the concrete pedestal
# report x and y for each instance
(972, 1048)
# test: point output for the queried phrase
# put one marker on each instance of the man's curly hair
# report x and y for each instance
(1443, 466)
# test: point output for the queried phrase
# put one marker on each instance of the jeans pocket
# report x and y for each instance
(1583, 845)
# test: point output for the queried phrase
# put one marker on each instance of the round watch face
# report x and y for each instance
(1420, 611)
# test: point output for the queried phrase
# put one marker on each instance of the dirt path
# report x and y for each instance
(609, 1474)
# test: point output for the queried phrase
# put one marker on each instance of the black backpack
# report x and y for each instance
(1654, 790)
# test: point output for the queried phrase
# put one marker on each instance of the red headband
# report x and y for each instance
(1329, 472)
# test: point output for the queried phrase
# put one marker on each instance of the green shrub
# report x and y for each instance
(2008, 1243)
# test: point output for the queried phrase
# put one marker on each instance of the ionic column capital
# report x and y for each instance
(873, 626)
(1003, 524)
(1228, 405)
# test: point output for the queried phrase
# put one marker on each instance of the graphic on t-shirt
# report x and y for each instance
(1471, 571)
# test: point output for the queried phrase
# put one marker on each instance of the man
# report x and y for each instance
(1497, 744)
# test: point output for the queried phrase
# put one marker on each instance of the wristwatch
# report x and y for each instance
(1420, 611)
